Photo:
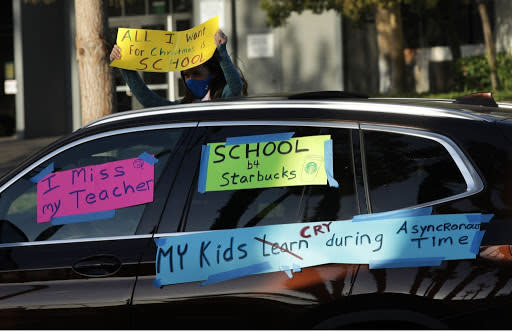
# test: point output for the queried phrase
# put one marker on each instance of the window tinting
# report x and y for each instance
(405, 170)
(328, 203)
(267, 206)
(18, 220)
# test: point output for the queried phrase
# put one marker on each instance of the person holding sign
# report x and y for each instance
(215, 78)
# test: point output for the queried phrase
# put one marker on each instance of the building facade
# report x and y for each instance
(311, 52)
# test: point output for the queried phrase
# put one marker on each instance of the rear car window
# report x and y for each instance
(406, 170)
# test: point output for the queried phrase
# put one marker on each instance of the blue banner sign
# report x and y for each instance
(394, 240)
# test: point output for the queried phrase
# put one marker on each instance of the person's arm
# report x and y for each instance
(233, 86)
(141, 91)
(137, 86)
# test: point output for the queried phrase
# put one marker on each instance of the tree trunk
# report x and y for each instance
(390, 40)
(489, 42)
(96, 85)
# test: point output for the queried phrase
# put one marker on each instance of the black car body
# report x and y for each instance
(388, 155)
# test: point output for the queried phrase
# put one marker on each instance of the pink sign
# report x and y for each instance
(95, 188)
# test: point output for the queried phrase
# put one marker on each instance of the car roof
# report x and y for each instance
(254, 108)
(504, 110)
(430, 114)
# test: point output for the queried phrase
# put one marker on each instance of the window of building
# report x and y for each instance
(447, 23)
(147, 7)
(173, 15)
(135, 7)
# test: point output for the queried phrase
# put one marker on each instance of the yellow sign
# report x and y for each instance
(264, 161)
(164, 51)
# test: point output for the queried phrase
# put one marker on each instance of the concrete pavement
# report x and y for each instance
(13, 150)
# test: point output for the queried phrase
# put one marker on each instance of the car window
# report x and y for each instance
(18, 203)
(405, 170)
(224, 209)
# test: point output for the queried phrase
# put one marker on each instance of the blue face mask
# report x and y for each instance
(199, 88)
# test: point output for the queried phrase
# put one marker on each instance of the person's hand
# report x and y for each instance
(116, 53)
(220, 37)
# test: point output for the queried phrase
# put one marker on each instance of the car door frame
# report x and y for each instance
(25, 292)
(152, 299)
(385, 307)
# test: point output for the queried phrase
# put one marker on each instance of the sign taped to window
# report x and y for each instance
(264, 161)
(94, 188)
(385, 241)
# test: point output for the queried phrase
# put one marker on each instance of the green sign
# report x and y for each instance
(264, 163)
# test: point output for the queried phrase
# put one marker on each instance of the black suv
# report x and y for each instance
(441, 156)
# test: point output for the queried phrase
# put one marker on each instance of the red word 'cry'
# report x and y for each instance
(317, 229)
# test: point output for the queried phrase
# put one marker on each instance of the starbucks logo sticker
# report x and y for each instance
(311, 167)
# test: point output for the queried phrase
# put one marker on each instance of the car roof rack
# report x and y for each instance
(327, 95)
(479, 98)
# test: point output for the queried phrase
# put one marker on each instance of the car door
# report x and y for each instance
(78, 273)
(277, 299)
(408, 168)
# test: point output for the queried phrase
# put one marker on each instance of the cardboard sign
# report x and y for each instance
(265, 161)
(415, 240)
(164, 51)
(94, 188)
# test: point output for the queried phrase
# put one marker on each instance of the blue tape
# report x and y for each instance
(486, 218)
(475, 245)
(157, 283)
(474, 218)
(47, 170)
(259, 138)
(203, 169)
(83, 217)
(328, 164)
(295, 269)
(479, 218)
(237, 273)
(405, 262)
(426, 211)
(160, 241)
(148, 158)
